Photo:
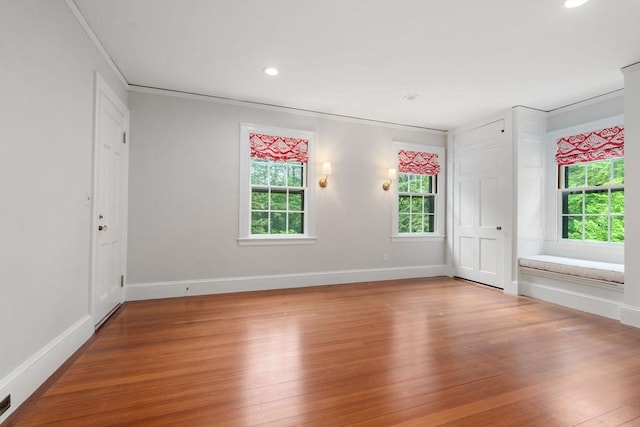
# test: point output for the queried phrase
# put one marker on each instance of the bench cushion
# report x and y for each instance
(576, 267)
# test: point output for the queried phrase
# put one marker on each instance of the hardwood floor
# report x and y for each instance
(414, 352)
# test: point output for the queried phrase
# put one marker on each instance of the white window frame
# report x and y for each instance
(554, 243)
(245, 237)
(585, 189)
(440, 198)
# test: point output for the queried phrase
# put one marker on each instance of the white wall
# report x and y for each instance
(530, 128)
(630, 313)
(46, 124)
(587, 111)
(183, 202)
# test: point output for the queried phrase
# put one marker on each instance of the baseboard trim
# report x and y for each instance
(511, 288)
(630, 315)
(27, 377)
(145, 291)
(588, 303)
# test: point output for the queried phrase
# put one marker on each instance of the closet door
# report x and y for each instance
(482, 203)
(110, 207)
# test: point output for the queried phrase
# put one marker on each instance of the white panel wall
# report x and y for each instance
(183, 208)
(47, 77)
(530, 128)
(630, 313)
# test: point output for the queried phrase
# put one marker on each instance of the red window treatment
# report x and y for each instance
(278, 148)
(418, 162)
(601, 144)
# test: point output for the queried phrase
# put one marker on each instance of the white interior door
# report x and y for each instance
(110, 202)
(481, 204)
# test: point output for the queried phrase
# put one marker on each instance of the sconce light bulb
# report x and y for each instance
(392, 174)
(326, 168)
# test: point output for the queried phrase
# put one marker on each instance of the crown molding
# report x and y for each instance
(92, 36)
(272, 107)
(586, 102)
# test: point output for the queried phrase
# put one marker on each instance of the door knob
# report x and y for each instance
(497, 228)
(102, 228)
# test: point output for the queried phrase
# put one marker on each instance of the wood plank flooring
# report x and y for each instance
(425, 352)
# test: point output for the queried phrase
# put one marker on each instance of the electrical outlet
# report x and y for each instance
(5, 404)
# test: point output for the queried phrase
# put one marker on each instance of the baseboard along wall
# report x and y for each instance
(26, 378)
(172, 289)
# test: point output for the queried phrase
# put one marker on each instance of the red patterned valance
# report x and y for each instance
(278, 148)
(418, 162)
(601, 144)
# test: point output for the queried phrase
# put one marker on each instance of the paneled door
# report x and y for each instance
(110, 192)
(481, 204)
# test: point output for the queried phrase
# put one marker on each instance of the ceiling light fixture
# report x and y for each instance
(270, 71)
(574, 3)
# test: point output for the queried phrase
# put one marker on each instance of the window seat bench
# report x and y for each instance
(604, 271)
(594, 287)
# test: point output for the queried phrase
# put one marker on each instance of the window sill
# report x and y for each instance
(416, 238)
(276, 241)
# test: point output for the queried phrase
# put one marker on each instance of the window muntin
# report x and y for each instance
(277, 197)
(592, 201)
(416, 203)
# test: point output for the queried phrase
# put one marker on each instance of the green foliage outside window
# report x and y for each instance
(416, 203)
(593, 201)
(277, 197)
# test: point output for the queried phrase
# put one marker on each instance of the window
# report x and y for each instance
(591, 185)
(419, 207)
(277, 197)
(416, 203)
(275, 201)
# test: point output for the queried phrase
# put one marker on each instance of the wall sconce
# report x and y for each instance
(326, 171)
(391, 176)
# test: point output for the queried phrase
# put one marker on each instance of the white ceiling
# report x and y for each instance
(465, 59)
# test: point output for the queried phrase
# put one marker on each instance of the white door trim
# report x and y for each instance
(102, 88)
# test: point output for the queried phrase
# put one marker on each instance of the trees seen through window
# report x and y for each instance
(593, 201)
(416, 203)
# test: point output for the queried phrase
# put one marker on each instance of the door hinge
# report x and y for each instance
(122, 281)
(124, 137)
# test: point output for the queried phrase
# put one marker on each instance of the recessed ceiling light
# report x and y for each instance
(410, 97)
(574, 3)
(270, 71)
